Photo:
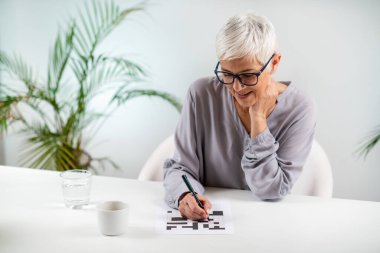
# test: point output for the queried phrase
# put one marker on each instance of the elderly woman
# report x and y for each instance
(241, 128)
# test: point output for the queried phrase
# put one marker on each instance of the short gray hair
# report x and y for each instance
(247, 35)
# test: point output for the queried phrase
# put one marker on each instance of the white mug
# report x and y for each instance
(112, 217)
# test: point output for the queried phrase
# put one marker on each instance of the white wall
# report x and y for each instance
(330, 51)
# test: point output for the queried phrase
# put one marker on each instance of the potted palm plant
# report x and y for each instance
(55, 112)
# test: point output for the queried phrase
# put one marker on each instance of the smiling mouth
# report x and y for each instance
(243, 95)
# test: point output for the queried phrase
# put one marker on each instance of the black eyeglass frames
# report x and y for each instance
(248, 79)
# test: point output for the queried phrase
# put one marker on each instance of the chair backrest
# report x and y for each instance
(153, 167)
(315, 180)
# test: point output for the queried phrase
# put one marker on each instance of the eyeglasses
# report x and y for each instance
(248, 79)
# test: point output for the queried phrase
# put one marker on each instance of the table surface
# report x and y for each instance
(34, 219)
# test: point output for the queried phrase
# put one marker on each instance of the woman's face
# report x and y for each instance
(246, 95)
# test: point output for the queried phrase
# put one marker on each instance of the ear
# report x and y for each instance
(275, 62)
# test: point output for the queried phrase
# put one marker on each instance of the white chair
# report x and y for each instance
(315, 180)
(153, 167)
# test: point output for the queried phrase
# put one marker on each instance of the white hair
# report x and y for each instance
(247, 35)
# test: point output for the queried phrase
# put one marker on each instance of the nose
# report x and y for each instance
(237, 85)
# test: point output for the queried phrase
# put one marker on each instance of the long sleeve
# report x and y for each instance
(271, 168)
(186, 157)
(213, 149)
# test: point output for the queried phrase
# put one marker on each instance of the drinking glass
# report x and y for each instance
(76, 185)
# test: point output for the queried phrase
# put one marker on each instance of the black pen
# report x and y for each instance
(184, 177)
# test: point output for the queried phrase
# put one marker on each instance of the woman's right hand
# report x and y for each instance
(188, 207)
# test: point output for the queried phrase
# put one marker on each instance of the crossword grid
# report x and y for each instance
(215, 222)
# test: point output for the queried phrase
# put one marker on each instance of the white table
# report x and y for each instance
(34, 219)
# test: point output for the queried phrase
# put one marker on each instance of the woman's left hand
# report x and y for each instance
(266, 97)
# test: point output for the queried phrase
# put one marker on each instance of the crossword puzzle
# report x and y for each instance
(170, 221)
(175, 221)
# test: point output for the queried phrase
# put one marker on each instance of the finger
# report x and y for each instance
(267, 80)
(189, 214)
(272, 81)
(192, 203)
(205, 202)
(261, 89)
(195, 208)
(208, 207)
(186, 212)
(271, 90)
(194, 216)
(195, 211)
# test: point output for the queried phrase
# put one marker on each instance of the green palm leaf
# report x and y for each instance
(108, 70)
(6, 114)
(369, 142)
(32, 96)
(46, 150)
(89, 119)
(17, 67)
(124, 95)
(59, 58)
(99, 19)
